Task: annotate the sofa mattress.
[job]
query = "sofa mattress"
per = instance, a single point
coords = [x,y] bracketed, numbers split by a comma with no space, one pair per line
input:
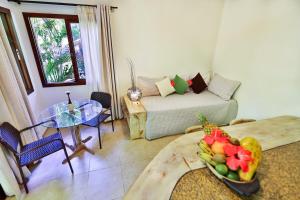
[173,114]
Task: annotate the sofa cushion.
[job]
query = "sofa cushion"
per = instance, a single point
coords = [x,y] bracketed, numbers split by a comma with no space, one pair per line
[188,76]
[173,114]
[164,86]
[198,84]
[223,87]
[147,85]
[180,85]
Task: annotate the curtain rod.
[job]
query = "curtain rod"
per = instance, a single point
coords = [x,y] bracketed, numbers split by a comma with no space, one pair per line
[57,3]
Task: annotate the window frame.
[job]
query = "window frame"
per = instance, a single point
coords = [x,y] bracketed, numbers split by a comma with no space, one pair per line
[69,19]
[17,51]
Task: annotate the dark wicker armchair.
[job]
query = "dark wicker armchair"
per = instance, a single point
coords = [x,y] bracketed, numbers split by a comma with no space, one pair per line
[26,154]
[105,100]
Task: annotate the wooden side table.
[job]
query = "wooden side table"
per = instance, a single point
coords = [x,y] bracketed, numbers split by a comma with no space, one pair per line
[135,114]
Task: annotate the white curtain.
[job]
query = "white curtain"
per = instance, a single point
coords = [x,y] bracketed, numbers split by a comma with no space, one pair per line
[108,69]
[14,98]
[98,52]
[13,89]
[7,179]
[90,46]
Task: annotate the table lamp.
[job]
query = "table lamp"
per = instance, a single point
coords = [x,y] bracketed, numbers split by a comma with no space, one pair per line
[133,93]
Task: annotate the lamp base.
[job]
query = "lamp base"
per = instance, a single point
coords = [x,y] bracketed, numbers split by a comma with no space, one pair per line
[134,94]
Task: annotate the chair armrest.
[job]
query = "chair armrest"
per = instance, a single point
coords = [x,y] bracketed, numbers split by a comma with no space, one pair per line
[33,126]
[39,146]
[105,110]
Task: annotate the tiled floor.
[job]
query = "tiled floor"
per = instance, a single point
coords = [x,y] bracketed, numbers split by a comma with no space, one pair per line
[106,175]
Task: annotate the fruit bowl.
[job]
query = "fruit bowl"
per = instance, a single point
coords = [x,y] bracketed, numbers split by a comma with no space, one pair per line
[245,188]
[233,161]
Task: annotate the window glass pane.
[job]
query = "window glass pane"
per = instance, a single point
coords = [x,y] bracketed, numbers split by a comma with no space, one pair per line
[78,49]
[53,46]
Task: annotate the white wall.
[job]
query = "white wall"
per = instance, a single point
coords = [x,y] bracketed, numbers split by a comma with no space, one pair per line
[256,42]
[162,38]
[259,45]
[165,37]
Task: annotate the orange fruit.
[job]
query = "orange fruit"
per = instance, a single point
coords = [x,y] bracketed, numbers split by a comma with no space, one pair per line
[218,147]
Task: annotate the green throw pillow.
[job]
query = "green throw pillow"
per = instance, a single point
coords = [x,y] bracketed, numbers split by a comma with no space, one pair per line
[180,85]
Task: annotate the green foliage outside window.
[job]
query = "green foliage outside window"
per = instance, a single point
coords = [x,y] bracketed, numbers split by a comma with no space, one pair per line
[53,45]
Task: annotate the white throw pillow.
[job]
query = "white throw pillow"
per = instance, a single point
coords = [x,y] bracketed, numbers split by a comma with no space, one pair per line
[147,85]
[223,87]
[164,86]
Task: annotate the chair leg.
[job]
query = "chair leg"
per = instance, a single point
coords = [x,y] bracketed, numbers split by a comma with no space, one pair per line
[23,179]
[112,120]
[99,136]
[68,159]
[112,125]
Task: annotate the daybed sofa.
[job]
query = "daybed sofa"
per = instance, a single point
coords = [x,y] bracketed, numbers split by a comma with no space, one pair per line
[173,114]
[170,106]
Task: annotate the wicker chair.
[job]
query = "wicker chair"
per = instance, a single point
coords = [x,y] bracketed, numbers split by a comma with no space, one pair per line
[105,100]
[26,154]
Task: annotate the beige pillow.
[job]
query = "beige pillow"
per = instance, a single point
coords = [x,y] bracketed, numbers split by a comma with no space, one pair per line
[164,86]
[223,87]
[147,85]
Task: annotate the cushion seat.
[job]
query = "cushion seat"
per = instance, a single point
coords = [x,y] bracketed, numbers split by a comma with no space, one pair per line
[173,114]
[95,121]
[43,151]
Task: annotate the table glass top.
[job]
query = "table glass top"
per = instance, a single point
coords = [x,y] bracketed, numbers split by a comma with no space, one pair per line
[84,110]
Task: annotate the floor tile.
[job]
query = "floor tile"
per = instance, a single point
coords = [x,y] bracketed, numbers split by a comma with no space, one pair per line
[103,160]
[131,171]
[106,183]
[107,175]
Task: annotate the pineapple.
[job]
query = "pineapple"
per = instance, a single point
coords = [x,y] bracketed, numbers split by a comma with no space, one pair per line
[208,127]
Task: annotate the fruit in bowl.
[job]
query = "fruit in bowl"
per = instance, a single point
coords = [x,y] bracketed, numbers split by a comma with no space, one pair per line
[227,157]
[218,147]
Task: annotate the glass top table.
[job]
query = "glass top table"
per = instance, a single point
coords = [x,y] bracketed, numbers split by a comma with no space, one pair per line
[84,110]
[59,116]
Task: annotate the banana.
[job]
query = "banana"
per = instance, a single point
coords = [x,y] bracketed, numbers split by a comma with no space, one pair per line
[207,158]
[213,163]
[203,143]
[205,148]
[206,154]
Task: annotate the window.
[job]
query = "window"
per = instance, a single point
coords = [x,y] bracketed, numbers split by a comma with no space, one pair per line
[57,48]
[9,28]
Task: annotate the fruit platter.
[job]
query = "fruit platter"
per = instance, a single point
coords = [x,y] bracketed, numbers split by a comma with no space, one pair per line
[231,160]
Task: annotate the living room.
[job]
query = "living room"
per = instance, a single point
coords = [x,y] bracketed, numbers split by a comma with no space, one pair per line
[246,53]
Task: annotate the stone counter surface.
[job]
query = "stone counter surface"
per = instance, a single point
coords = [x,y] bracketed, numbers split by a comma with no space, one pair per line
[179,157]
[279,176]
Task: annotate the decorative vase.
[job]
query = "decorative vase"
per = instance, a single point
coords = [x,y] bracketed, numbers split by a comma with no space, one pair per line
[133,93]
[70,104]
